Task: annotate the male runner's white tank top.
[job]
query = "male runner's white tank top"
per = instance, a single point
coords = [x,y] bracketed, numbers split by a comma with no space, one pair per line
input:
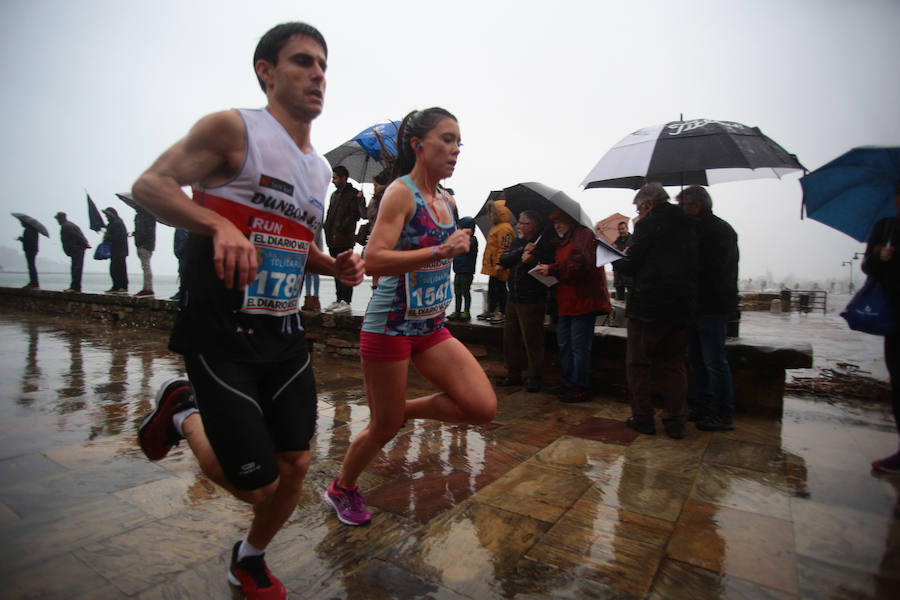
[277,200]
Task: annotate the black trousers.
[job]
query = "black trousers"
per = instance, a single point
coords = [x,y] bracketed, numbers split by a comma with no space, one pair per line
[344,292]
[118,272]
[77,267]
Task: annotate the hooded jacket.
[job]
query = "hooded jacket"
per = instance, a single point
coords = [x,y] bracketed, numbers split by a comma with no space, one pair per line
[499,239]
[116,235]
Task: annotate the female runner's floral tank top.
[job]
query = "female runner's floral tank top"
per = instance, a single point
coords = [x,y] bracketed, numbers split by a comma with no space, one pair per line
[414,303]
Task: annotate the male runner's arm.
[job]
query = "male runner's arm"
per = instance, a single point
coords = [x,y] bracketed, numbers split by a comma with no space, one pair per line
[210,153]
[347,267]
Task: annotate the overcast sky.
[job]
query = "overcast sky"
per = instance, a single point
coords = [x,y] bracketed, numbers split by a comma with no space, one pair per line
[94,90]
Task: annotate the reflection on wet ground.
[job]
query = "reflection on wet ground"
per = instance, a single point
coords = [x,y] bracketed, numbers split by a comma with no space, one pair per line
[548,501]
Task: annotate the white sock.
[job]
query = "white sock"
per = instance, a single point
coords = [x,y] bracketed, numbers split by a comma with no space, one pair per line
[247,549]
[179,417]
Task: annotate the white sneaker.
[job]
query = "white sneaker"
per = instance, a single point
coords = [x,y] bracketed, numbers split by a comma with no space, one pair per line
[342,307]
[331,307]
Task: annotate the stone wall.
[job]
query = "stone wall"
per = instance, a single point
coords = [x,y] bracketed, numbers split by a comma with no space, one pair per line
[758,368]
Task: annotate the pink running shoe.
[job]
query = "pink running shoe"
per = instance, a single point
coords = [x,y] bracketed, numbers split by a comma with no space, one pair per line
[349,505]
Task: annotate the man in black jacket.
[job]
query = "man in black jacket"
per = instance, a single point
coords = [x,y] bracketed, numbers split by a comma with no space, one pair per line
[117,237]
[74,244]
[526,304]
[345,208]
[29,239]
[712,402]
[660,308]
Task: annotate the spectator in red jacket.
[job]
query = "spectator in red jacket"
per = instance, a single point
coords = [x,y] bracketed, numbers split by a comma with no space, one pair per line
[581,295]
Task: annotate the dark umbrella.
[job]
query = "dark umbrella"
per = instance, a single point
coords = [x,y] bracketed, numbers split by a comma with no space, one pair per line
[483,217]
[127,199]
[544,200]
[854,191]
[27,221]
[363,154]
[96,221]
[698,152]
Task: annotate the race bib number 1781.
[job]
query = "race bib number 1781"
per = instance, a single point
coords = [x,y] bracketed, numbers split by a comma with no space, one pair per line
[279,274]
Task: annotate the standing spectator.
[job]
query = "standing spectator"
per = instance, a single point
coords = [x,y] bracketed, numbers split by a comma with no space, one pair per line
[464,273]
[712,402]
[526,304]
[621,282]
[117,237]
[663,261]
[145,242]
[581,295]
[882,263]
[179,248]
[344,209]
[29,239]
[74,244]
[498,241]
[311,283]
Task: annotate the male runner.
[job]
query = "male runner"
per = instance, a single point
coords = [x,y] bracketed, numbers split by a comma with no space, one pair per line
[258,199]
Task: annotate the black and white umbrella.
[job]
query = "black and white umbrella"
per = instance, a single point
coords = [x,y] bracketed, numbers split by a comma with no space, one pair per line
[698,152]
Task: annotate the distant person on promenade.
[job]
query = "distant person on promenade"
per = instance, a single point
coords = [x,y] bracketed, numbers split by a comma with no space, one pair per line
[663,261]
[145,243]
[712,402]
[117,237]
[526,303]
[581,295]
[179,248]
[29,239]
[344,209]
[414,239]
[74,244]
[499,238]
[621,282]
[311,282]
[239,327]
[882,263]
[464,274]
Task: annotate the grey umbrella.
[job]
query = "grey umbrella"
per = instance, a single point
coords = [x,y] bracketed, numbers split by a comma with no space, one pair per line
[32,222]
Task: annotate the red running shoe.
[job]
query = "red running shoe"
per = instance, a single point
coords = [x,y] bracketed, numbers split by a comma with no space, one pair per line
[157,435]
[254,578]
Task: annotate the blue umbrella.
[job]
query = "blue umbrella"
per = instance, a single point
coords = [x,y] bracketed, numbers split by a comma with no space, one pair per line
[855,190]
[363,154]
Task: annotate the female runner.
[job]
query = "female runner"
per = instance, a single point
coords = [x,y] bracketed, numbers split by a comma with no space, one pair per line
[411,248]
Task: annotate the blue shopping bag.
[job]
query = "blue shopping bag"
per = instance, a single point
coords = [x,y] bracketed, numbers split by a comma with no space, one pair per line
[870,311]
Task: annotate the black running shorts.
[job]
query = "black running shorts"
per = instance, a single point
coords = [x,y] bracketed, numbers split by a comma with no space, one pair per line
[251,411]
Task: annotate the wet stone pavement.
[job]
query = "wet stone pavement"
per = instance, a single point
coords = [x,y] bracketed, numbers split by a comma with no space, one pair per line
[548,501]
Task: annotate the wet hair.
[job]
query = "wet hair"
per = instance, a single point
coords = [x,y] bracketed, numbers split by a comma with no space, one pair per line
[271,43]
[341,171]
[416,124]
[625,223]
[651,191]
[695,193]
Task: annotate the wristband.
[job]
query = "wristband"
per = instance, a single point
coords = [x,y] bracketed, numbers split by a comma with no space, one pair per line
[436,252]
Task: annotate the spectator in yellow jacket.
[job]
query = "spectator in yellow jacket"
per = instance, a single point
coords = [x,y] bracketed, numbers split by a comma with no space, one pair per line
[499,238]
